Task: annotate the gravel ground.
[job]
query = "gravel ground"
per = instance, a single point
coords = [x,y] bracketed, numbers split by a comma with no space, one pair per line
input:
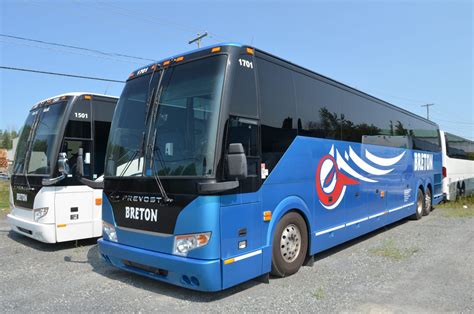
[410,266]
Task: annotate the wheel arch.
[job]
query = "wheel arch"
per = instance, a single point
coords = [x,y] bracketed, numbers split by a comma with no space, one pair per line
[289,204]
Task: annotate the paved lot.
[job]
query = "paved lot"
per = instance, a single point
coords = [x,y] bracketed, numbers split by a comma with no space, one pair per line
[412,266]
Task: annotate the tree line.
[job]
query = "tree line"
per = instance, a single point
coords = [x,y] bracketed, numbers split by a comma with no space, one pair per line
[6,138]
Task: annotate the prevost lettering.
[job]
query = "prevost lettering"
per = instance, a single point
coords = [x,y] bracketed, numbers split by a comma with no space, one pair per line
[140,198]
[423,162]
[141,213]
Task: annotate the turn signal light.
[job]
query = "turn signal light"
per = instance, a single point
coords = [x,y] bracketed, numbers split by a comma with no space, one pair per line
[98,201]
[267,215]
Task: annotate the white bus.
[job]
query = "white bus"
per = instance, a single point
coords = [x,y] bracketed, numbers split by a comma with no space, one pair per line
[458,166]
[48,203]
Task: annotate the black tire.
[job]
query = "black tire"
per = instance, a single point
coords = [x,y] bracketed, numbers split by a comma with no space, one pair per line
[428,205]
[290,245]
[420,201]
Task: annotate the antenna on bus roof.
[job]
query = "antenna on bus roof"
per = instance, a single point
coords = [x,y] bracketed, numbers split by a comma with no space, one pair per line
[198,39]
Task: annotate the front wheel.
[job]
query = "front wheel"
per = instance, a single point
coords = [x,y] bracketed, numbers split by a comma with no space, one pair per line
[290,244]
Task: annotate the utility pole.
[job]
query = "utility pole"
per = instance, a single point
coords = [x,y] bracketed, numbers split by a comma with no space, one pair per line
[427,110]
[198,39]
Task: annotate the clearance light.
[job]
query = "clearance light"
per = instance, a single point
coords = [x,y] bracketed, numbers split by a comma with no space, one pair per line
[179,59]
[131,75]
[109,231]
[98,201]
[63,97]
[267,215]
[216,49]
[87,97]
[250,51]
[187,242]
[166,62]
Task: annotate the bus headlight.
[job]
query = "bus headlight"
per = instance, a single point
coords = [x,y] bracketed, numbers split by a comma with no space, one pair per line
[187,242]
[39,213]
[109,231]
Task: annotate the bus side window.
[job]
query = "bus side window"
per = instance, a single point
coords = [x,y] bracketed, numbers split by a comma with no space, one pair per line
[278,110]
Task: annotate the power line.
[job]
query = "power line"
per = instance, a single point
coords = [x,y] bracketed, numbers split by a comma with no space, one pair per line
[76,47]
[69,51]
[61,74]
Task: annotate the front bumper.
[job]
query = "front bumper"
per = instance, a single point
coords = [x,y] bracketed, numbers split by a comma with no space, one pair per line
[191,273]
[39,231]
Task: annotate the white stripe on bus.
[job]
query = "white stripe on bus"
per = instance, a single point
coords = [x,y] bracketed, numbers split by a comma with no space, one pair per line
[362,220]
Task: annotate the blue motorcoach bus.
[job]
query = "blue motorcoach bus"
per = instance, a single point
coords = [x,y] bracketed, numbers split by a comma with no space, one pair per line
[228,163]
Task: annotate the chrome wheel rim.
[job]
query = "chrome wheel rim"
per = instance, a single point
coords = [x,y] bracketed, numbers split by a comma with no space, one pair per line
[290,243]
[428,201]
[419,204]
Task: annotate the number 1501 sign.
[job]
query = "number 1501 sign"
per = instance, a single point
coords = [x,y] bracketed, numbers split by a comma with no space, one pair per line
[81,115]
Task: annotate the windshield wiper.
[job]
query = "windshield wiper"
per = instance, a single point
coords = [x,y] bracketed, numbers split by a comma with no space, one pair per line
[138,152]
[151,145]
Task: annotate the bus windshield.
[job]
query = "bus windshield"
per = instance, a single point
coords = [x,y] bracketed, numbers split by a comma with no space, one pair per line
[182,130]
[34,154]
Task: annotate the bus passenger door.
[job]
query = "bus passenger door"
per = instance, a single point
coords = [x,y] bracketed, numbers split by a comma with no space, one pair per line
[74,202]
[241,216]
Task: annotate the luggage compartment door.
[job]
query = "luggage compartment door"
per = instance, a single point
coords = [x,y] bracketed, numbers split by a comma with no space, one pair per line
[74,209]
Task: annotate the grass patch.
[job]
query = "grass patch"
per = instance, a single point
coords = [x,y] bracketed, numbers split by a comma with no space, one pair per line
[4,194]
[390,250]
[319,294]
[460,208]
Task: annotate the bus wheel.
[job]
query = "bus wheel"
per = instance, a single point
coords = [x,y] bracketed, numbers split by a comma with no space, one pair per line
[420,204]
[290,244]
[428,204]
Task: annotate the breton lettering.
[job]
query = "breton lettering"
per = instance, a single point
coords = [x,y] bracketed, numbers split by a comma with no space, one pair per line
[422,162]
[141,213]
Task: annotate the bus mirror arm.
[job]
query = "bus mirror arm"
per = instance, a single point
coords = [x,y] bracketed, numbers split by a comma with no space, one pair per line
[80,172]
[63,168]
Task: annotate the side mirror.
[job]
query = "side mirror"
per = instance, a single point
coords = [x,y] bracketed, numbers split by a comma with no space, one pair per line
[63,168]
[80,163]
[97,184]
[237,161]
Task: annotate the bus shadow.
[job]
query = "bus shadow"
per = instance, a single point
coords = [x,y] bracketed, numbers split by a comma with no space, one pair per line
[345,245]
[101,267]
[49,247]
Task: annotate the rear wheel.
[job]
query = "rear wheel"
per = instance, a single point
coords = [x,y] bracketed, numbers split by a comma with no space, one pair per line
[420,204]
[428,203]
[290,244]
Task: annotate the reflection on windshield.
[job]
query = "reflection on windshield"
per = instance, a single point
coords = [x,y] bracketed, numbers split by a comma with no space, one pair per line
[182,136]
[128,128]
[37,140]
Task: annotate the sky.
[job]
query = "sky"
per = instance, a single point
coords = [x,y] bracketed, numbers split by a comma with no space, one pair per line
[409,53]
